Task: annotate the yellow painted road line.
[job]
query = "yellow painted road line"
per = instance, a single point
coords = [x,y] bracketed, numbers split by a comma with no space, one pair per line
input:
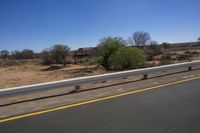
[95,100]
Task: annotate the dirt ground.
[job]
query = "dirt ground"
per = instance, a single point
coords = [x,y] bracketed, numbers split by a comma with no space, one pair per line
[32,73]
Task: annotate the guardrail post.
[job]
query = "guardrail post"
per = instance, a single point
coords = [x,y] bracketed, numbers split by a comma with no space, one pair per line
[145,76]
[189,68]
[76,89]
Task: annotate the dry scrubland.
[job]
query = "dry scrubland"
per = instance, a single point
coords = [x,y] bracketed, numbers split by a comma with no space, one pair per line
[31,72]
[18,73]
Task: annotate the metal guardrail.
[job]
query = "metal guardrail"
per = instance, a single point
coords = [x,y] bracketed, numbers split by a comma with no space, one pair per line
[91,79]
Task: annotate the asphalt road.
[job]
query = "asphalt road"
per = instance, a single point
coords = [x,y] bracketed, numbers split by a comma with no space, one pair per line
[171,109]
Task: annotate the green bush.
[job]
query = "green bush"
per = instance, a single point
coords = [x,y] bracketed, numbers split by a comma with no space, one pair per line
[92,61]
[114,54]
[107,49]
[128,58]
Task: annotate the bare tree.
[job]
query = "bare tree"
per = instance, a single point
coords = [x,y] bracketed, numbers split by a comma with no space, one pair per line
[16,54]
[59,53]
[153,42]
[4,54]
[139,38]
[56,54]
[27,54]
[46,56]
[24,54]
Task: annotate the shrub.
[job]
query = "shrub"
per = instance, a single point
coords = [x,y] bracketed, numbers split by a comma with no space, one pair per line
[27,54]
[183,56]
[166,59]
[24,54]
[46,57]
[56,54]
[152,50]
[165,45]
[107,49]
[127,58]
[114,54]
[92,61]
[4,54]
[59,53]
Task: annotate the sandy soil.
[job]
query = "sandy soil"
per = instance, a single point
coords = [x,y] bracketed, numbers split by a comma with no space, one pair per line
[31,73]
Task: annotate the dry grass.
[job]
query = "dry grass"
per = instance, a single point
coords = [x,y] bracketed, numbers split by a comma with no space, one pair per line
[32,73]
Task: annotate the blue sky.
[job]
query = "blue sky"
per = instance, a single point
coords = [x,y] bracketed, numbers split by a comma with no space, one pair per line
[39,24]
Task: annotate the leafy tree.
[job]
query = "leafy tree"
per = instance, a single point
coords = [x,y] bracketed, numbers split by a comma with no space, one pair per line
[139,38]
[107,50]
[4,54]
[127,58]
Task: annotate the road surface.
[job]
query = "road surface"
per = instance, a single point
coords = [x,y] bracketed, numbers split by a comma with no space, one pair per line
[169,109]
